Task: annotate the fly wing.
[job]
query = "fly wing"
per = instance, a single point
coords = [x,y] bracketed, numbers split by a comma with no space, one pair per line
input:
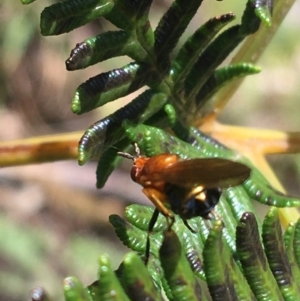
[209,172]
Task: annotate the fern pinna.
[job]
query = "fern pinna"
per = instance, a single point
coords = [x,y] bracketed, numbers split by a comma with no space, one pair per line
[229,253]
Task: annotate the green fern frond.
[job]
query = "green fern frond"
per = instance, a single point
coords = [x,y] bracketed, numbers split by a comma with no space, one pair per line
[178,81]
[228,254]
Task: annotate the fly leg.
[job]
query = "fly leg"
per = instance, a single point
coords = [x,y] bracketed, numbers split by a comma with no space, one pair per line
[188,226]
[157,198]
[150,228]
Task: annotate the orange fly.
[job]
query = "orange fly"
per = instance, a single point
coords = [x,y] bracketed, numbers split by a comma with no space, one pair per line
[189,188]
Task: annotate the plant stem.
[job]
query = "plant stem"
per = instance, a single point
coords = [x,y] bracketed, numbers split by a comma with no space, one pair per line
[39,149]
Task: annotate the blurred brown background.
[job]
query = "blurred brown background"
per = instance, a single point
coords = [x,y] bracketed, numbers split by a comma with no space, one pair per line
[53,221]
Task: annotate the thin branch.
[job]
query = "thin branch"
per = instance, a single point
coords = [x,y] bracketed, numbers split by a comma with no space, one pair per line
[262,141]
[39,149]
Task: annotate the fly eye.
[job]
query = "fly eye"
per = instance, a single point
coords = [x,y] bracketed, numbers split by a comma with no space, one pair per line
[133,173]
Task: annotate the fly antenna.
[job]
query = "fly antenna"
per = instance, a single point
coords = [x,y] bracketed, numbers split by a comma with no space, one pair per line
[126,155]
[122,154]
[131,157]
[137,150]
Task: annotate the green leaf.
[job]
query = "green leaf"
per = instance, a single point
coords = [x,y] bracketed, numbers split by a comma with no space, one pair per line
[108,288]
[75,291]
[137,281]
[105,46]
[250,22]
[224,277]
[108,131]
[222,77]
[171,27]
[27,1]
[109,86]
[181,280]
[109,160]
[253,259]
[195,44]
[296,242]
[239,202]
[67,15]
[263,10]
[210,59]
[278,260]
[133,237]
[262,192]
[139,217]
